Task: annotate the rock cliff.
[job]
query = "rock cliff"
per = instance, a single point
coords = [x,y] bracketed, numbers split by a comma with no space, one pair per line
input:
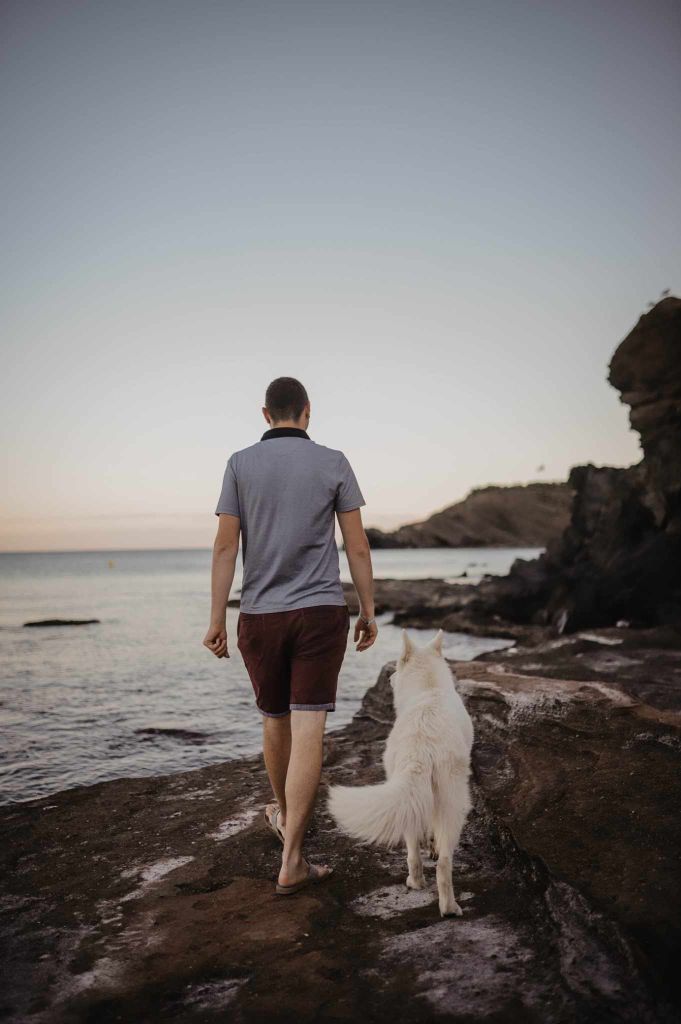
[620,556]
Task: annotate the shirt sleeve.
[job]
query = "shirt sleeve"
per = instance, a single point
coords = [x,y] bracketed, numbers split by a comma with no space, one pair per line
[348,494]
[229,495]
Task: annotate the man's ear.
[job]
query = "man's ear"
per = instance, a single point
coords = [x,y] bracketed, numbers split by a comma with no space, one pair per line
[436,643]
[407,646]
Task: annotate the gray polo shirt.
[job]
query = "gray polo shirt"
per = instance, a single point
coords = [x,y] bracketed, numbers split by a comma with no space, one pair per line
[286,489]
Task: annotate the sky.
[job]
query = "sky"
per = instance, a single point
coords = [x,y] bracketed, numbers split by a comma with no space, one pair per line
[442,217]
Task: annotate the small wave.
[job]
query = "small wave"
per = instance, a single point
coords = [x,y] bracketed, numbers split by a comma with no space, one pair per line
[187,735]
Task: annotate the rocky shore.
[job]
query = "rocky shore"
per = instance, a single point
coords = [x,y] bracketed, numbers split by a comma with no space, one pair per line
[152,899]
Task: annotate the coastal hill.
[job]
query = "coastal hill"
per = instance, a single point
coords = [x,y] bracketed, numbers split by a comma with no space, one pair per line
[523,516]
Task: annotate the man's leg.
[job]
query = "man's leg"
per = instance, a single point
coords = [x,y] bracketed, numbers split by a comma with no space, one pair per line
[302,782]
[276,745]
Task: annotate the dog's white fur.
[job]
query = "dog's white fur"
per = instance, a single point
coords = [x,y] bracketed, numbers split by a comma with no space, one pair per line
[427,765]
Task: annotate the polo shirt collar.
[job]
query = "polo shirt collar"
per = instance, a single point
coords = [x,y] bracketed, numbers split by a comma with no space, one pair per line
[284,432]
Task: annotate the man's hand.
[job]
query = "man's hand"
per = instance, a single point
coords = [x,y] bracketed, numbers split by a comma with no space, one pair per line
[216,641]
[366,634]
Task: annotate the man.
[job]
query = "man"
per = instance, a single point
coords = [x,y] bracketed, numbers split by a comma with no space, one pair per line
[282,494]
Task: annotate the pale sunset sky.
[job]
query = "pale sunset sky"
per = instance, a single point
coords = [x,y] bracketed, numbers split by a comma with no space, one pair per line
[441,216]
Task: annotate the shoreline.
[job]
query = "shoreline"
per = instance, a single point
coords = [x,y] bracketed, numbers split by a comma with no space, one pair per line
[635,658]
[166,745]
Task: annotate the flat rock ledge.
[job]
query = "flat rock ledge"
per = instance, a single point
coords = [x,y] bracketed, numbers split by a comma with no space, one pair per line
[152,899]
[62,622]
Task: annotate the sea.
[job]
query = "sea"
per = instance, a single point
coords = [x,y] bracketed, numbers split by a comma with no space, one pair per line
[137,693]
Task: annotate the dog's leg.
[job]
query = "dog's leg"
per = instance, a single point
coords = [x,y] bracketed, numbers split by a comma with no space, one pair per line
[415,879]
[450,816]
[445,888]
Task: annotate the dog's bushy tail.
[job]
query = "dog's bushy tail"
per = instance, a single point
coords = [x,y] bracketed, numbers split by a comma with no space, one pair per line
[384,814]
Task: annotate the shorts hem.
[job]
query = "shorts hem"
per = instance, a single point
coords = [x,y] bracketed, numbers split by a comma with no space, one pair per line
[273,714]
[313,707]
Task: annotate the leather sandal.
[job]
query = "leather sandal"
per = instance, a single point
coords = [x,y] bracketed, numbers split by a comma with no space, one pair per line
[273,823]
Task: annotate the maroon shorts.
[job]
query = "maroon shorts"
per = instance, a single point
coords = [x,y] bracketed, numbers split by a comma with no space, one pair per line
[293,658]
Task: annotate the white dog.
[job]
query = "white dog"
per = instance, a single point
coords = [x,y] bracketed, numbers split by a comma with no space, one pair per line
[427,766]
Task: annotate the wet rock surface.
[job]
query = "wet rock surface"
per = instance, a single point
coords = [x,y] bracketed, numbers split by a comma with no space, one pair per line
[153,899]
[643,663]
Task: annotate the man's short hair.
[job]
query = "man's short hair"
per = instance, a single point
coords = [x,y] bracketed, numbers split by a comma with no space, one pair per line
[285,399]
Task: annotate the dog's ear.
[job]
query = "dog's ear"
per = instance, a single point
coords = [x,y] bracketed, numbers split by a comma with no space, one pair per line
[407,646]
[436,643]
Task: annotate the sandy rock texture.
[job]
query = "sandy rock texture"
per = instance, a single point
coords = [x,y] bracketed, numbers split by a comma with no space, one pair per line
[152,899]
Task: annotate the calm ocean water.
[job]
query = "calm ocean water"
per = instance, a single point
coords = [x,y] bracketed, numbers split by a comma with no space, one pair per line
[138,694]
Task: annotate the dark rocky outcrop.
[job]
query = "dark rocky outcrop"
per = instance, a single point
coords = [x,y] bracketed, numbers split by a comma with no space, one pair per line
[646,370]
[620,556]
[61,622]
[152,899]
[511,517]
[619,559]
[400,595]
[431,602]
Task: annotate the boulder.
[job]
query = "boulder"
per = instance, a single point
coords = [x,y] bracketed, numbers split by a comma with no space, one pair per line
[646,370]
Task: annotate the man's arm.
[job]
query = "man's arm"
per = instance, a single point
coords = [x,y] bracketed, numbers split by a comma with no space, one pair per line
[359,559]
[225,551]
